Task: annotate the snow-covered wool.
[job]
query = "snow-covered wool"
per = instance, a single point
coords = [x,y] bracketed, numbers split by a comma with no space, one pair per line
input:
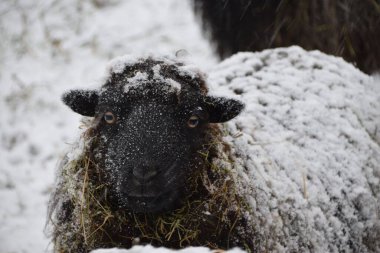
[143,170]
[344,28]
[308,154]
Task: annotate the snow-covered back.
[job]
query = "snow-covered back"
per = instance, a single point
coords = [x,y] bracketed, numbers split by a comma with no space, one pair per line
[306,149]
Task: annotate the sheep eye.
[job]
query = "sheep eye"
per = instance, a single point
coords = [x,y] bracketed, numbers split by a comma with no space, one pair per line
[193,121]
[109,117]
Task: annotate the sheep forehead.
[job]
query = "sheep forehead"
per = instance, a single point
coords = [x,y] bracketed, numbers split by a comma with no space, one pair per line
[119,64]
[134,72]
[151,79]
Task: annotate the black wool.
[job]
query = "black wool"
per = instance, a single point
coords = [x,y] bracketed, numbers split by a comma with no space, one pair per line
[349,29]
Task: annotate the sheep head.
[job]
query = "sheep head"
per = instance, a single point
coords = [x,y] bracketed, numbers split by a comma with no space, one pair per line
[151,117]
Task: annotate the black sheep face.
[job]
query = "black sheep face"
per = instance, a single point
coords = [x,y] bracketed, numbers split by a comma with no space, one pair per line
[150,134]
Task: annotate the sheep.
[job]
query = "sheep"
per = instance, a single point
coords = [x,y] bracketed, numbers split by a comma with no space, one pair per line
[297,170]
[143,171]
[344,28]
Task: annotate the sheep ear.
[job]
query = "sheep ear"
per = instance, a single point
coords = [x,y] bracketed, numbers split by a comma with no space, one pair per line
[222,109]
[83,102]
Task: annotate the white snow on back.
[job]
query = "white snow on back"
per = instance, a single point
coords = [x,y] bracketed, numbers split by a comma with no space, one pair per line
[306,148]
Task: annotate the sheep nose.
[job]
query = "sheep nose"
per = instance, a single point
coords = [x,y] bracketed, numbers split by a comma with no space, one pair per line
[144,174]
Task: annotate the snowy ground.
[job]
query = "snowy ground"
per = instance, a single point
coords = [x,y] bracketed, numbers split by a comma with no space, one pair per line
[149,249]
[47,47]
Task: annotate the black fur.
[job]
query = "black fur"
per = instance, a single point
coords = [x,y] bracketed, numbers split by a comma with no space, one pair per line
[81,101]
[346,28]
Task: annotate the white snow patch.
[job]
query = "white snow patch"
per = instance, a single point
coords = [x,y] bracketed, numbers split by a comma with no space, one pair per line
[139,77]
[133,82]
[150,249]
[156,72]
[174,85]
[118,64]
